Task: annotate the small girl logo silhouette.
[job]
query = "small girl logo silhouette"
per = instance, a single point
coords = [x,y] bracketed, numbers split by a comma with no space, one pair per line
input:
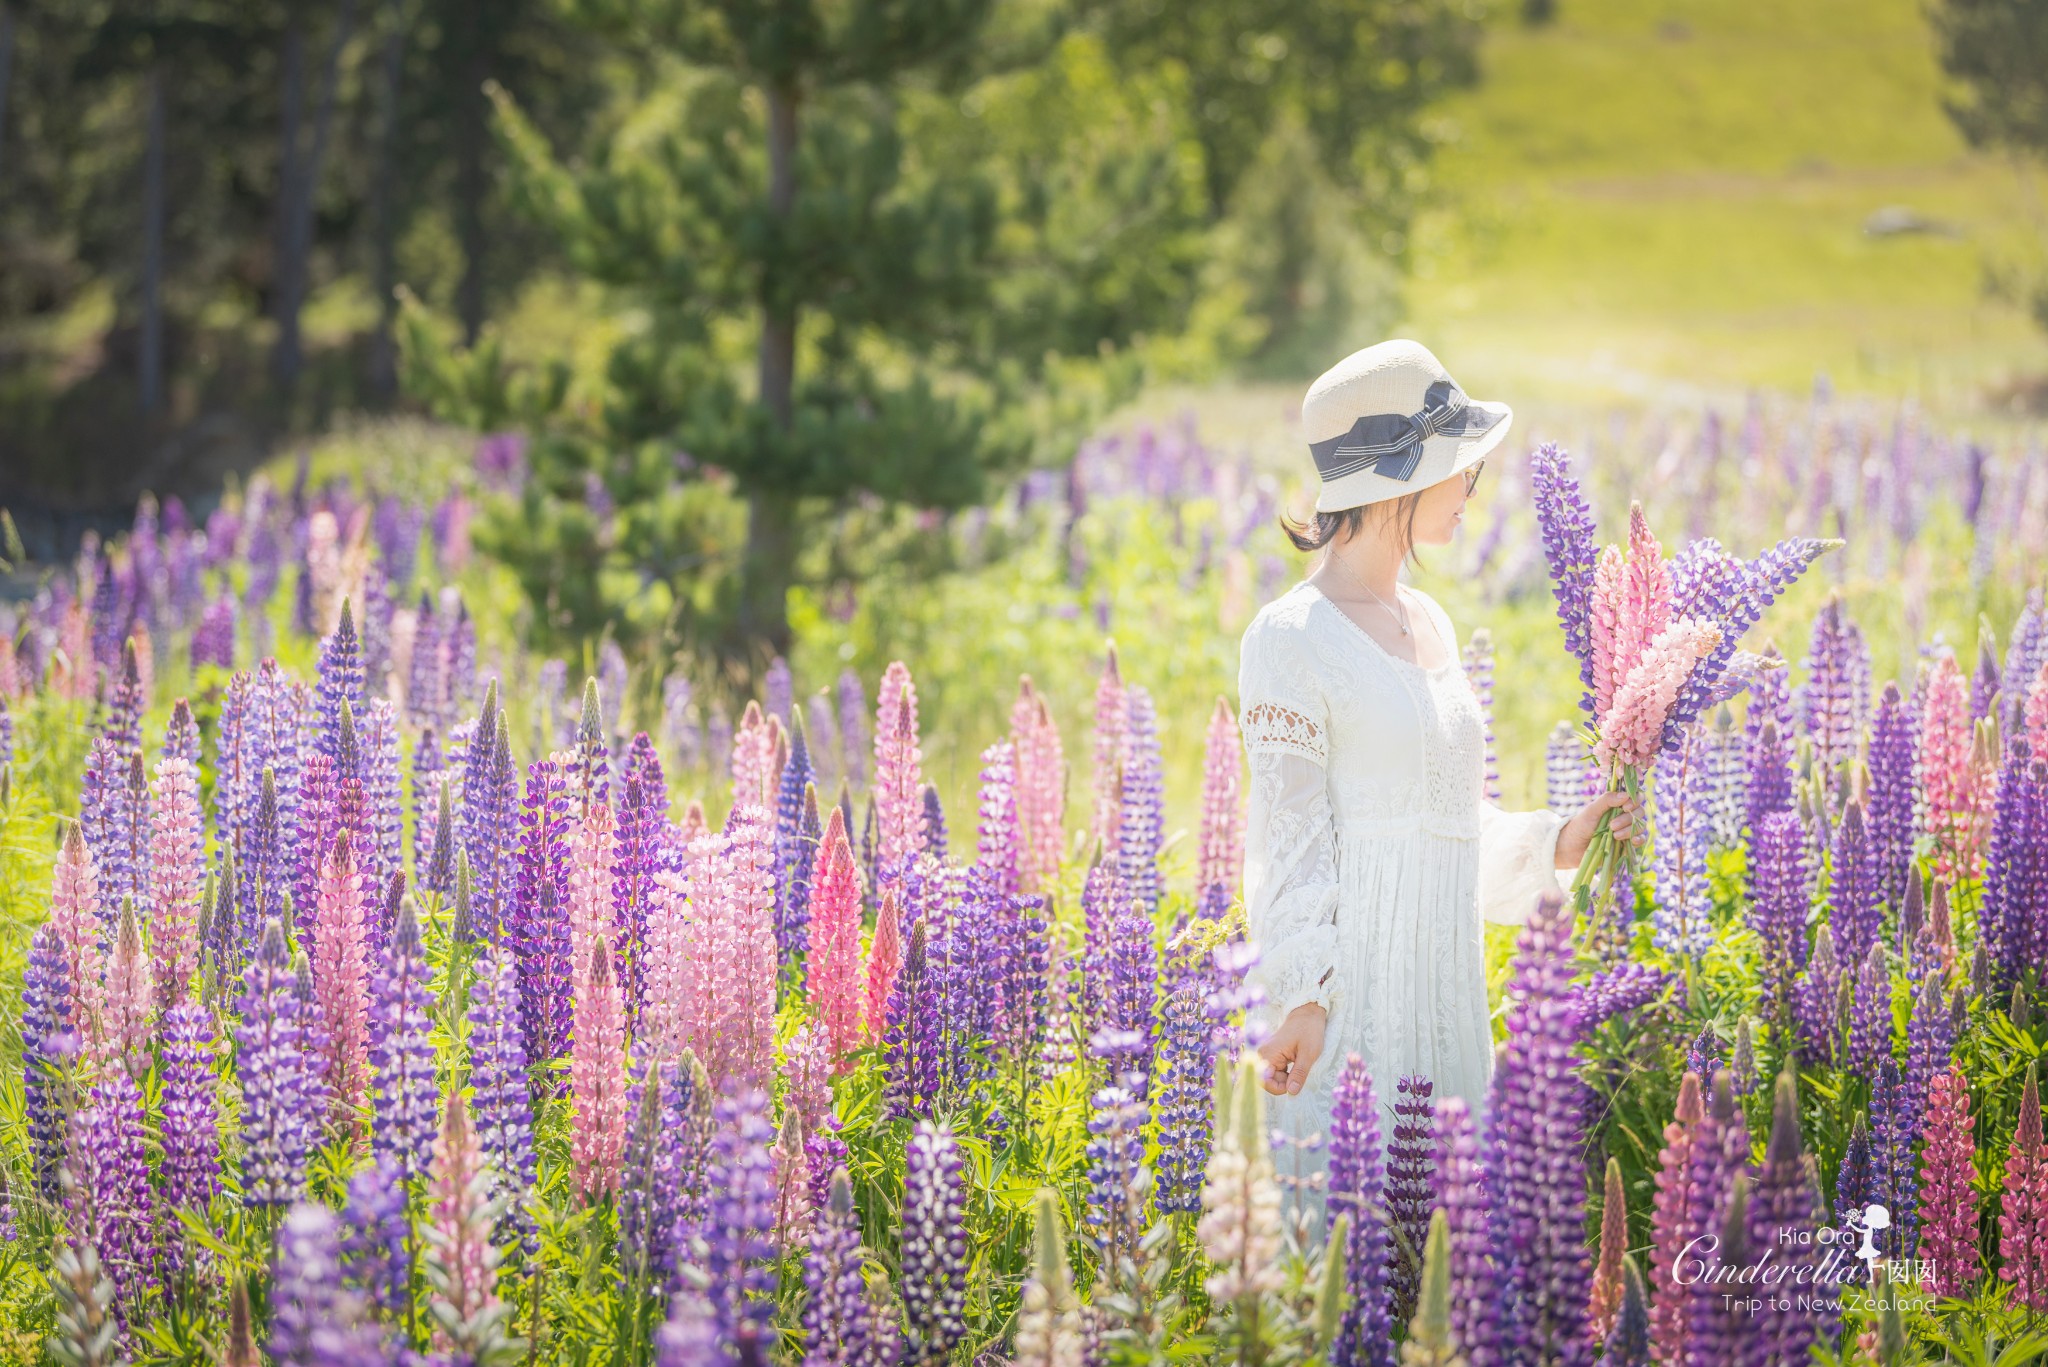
[1869,1222]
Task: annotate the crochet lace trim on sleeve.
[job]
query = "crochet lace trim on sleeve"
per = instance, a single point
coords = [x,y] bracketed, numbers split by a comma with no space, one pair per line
[1270,726]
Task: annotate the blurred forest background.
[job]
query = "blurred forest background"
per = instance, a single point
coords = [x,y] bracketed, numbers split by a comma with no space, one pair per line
[722,274]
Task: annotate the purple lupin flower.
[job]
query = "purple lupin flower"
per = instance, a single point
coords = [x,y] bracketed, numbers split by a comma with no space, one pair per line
[1479,669]
[1892,1173]
[679,730]
[663,1194]
[428,765]
[1890,803]
[1831,706]
[797,835]
[497,1068]
[213,641]
[740,1227]
[1564,765]
[315,1320]
[539,928]
[1622,990]
[1725,766]
[1357,1187]
[341,681]
[2010,917]
[1767,777]
[107,811]
[636,858]
[376,1250]
[1566,524]
[2025,653]
[998,840]
[275,1063]
[777,690]
[844,1324]
[1141,829]
[1763,581]
[381,802]
[1181,1096]
[113,1187]
[1870,1016]
[933,825]
[406,1115]
[1410,1195]
[489,816]
[1535,1173]
[1782,1200]
[1853,907]
[376,632]
[1133,999]
[1025,1007]
[190,1172]
[1777,904]
[1462,1196]
[934,1244]
[1718,1155]
[1116,1151]
[1855,1180]
[1930,1044]
[911,1036]
[1985,680]
[1682,808]
[46,1046]
[591,778]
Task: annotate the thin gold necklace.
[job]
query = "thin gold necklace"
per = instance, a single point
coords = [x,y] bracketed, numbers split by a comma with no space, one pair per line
[1400,618]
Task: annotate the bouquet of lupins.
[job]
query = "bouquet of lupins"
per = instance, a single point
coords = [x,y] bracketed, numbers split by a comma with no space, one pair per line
[1656,638]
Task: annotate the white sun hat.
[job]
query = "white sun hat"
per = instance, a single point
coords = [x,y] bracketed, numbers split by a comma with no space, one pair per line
[1388,421]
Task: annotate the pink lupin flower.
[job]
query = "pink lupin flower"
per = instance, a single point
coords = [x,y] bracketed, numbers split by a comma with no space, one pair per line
[341,975]
[664,1016]
[177,849]
[834,960]
[2036,715]
[1041,787]
[885,958]
[597,1076]
[124,1037]
[753,756]
[1948,1239]
[806,1110]
[1110,710]
[1604,615]
[732,944]
[1633,729]
[461,1256]
[899,784]
[1223,803]
[1646,592]
[1949,778]
[2023,1210]
[693,826]
[75,912]
[592,917]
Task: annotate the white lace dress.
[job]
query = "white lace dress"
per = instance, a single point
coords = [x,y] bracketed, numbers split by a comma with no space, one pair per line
[1371,854]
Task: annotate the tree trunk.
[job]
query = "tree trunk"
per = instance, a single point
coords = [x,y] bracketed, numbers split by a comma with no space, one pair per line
[383,377]
[771,514]
[294,262]
[6,71]
[472,68]
[149,365]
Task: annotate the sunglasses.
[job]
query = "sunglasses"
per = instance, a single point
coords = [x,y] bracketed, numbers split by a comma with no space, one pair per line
[1472,477]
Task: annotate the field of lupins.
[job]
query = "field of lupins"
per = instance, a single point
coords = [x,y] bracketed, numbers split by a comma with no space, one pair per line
[382,1006]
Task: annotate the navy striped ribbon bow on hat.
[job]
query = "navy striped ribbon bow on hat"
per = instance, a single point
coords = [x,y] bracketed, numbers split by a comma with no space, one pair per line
[1391,443]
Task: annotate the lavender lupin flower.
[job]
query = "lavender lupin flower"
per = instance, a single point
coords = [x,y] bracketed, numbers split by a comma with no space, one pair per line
[1683,802]
[1725,765]
[844,1325]
[1831,705]
[739,1229]
[998,840]
[934,1249]
[1767,780]
[1870,1017]
[1777,904]
[1853,907]
[1891,1159]
[1566,523]
[375,1249]
[1410,1195]
[190,1172]
[1462,1196]
[489,816]
[1181,1096]
[274,1063]
[1356,1188]
[1564,762]
[1782,1200]
[934,825]
[1134,981]
[315,1321]
[539,929]
[46,1046]
[113,1175]
[2010,920]
[341,681]
[636,859]
[797,835]
[1535,1173]
[402,1052]
[1116,1151]
[1815,1002]
[1890,803]
[911,1036]
[497,1068]
[1142,826]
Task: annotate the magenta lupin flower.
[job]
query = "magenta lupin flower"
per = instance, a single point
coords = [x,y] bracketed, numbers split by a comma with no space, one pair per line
[899,784]
[885,961]
[834,981]
[1041,786]
[2023,1210]
[1670,1223]
[177,854]
[1223,802]
[1948,1196]
[597,1076]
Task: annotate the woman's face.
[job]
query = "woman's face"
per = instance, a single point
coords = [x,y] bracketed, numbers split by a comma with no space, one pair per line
[1441,510]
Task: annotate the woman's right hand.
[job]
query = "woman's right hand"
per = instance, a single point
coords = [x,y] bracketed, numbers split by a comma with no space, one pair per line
[1293,1050]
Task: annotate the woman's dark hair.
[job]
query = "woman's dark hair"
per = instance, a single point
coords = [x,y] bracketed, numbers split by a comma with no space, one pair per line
[1342,526]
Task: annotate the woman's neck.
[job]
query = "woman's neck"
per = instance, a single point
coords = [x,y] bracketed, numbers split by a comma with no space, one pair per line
[1369,560]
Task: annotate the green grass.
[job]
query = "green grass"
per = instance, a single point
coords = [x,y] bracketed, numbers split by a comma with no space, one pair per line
[1666,201]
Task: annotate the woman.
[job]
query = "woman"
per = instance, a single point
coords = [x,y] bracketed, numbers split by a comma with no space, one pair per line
[1371,854]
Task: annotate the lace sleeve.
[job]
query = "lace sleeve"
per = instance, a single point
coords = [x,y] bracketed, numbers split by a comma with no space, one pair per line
[1290,857]
[1517,861]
